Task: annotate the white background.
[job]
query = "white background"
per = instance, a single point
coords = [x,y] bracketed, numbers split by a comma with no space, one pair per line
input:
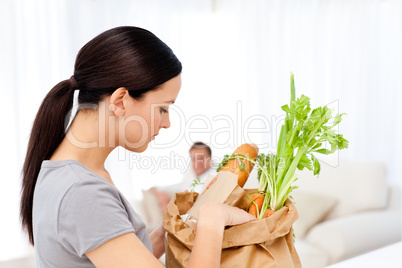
[237,56]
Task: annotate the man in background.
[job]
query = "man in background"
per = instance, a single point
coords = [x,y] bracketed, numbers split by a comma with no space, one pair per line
[193,179]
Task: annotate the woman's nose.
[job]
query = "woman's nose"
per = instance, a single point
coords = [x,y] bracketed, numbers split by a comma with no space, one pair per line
[165,122]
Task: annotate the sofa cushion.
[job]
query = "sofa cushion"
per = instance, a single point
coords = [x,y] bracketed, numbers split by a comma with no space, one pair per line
[312,208]
[358,186]
[350,236]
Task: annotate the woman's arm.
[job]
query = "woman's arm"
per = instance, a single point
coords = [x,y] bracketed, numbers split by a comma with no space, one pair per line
[208,240]
[123,251]
[128,251]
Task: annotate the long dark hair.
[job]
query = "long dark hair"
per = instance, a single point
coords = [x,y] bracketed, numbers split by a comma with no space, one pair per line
[128,57]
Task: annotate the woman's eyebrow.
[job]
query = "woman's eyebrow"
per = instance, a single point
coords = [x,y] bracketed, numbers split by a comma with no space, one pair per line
[172,101]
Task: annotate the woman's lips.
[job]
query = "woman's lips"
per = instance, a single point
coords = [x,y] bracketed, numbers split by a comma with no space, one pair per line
[153,137]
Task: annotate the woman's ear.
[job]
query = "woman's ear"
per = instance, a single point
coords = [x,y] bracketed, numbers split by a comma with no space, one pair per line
[116,103]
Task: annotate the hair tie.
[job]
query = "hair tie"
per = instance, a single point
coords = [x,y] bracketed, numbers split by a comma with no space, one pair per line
[73,82]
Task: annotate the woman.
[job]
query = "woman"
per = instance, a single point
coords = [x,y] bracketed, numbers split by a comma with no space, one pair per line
[73,213]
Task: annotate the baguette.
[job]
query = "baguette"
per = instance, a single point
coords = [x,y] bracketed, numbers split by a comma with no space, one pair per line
[233,165]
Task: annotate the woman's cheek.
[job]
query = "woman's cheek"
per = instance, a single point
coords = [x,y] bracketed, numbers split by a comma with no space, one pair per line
[134,131]
[157,123]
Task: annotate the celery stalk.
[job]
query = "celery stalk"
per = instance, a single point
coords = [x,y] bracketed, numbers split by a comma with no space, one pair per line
[304,130]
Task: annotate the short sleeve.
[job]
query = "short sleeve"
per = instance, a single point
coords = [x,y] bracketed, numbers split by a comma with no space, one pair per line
[91,213]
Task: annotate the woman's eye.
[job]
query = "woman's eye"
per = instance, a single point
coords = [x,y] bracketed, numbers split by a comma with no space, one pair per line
[163,110]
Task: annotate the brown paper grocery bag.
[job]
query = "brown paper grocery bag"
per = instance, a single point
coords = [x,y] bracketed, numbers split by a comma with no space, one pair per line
[262,243]
[225,191]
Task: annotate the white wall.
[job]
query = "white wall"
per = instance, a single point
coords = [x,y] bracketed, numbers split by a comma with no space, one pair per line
[237,56]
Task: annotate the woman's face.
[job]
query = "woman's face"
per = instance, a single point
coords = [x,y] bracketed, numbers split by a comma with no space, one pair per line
[144,118]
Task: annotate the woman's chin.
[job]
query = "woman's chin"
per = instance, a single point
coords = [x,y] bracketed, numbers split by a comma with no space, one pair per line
[137,148]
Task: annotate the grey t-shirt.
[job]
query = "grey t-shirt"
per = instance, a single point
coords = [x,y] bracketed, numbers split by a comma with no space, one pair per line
[74,211]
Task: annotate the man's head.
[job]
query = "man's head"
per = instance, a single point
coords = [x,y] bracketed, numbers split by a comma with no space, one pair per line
[200,154]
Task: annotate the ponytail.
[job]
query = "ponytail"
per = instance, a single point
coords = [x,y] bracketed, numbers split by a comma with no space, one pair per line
[46,135]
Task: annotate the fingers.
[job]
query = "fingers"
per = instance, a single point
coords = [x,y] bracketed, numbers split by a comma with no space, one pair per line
[226,214]
[238,216]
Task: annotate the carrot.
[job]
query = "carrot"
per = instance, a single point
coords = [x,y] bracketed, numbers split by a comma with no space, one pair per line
[268,213]
[258,200]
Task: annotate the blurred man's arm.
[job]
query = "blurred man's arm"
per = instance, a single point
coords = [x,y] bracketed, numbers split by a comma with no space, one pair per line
[163,199]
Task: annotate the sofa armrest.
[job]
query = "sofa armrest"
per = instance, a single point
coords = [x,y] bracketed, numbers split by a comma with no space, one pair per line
[349,236]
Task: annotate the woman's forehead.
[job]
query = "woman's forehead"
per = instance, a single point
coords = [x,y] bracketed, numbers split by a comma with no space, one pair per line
[167,93]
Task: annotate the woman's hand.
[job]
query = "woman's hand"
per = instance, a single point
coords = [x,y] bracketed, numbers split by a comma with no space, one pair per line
[235,216]
[228,215]
[212,218]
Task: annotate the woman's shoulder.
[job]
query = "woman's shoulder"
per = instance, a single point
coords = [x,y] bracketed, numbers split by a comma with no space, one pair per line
[79,190]
[73,179]
[72,169]
[69,172]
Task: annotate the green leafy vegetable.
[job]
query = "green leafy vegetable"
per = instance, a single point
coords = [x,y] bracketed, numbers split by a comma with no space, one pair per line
[228,157]
[304,133]
[225,159]
[196,182]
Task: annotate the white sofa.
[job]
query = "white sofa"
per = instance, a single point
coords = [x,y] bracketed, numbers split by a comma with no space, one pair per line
[364,212]
[349,210]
